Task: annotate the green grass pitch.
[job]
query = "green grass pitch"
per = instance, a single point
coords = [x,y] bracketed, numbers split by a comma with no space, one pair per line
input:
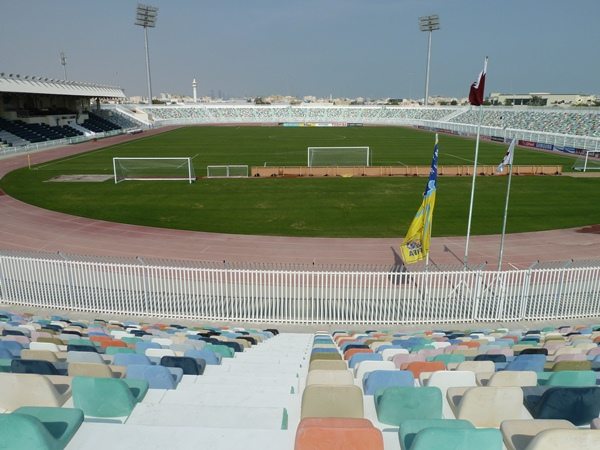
[317,207]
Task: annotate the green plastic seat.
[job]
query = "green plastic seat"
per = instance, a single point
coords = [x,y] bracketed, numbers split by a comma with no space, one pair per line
[107,397]
[82,341]
[131,340]
[225,351]
[42,428]
[411,427]
[397,403]
[5,365]
[457,439]
[115,350]
[571,378]
[448,358]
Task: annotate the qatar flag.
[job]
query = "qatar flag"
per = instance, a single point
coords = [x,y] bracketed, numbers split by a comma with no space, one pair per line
[478,88]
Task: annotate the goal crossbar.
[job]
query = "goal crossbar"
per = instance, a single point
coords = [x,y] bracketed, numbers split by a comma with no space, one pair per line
[156,169]
[339,156]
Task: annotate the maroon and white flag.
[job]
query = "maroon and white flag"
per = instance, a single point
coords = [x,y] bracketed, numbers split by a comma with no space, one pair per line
[476,93]
[508,158]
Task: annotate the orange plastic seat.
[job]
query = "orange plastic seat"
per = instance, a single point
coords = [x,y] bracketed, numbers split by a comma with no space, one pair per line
[354,351]
[113,343]
[338,433]
[100,338]
[417,367]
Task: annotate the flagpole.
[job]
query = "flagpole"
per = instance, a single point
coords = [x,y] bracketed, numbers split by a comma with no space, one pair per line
[474,176]
[506,209]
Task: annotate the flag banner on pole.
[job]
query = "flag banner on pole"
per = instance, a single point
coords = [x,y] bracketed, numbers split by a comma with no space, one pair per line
[476,94]
[416,244]
[508,158]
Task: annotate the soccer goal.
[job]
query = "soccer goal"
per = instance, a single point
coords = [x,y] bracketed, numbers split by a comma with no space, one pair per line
[338,156]
[236,171]
[590,161]
[153,169]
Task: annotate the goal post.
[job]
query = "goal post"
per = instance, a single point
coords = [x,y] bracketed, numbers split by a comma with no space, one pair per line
[589,161]
[153,169]
[339,156]
[233,171]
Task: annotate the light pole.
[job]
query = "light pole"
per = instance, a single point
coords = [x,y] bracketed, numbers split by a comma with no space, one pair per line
[63,61]
[429,23]
[146,17]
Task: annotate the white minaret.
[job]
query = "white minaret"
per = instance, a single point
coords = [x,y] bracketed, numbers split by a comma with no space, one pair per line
[194,86]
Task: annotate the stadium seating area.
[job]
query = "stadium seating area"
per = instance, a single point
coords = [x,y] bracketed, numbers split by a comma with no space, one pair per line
[573,123]
[550,121]
[253,114]
[74,383]
[17,132]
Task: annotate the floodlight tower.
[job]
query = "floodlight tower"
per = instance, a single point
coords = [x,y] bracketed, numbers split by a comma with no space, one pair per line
[194,89]
[429,23]
[146,17]
[63,61]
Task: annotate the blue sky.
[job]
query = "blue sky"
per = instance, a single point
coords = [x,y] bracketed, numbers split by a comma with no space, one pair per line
[343,48]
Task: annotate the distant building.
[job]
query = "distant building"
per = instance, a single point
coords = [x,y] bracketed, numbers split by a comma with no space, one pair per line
[546,99]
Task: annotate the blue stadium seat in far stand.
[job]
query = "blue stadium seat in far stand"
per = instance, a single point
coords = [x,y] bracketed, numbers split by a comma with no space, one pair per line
[359,357]
[39,428]
[127,359]
[141,347]
[158,377]
[190,366]
[387,378]
[13,347]
[209,356]
[6,354]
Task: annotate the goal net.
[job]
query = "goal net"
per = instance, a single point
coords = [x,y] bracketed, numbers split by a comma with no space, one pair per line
[238,171]
[153,169]
[590,160]
[338,156]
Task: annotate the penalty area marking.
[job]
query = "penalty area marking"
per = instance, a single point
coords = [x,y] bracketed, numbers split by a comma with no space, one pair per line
[282,137]
[87,178]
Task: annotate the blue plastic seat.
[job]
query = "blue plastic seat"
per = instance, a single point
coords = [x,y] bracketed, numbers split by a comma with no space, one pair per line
[387,378]
[210,357]
[190,366]
[358,357]
[141,347]
[158,377]
[12,346]
[127,359]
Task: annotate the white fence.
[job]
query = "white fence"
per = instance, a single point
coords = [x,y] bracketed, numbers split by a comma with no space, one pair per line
[297,294]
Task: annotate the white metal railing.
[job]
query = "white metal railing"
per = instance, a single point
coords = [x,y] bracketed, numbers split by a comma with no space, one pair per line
[560,140]
[303,295]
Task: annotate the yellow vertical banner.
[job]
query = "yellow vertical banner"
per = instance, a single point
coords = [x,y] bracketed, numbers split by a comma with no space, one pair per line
[416,244]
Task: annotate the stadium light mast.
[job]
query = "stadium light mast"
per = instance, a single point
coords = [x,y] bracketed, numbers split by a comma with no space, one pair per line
[63,61]
[429,23]
[146,16]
